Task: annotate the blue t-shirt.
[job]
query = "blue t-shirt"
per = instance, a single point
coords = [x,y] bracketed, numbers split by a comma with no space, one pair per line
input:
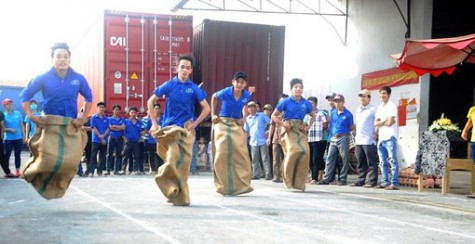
[293,109]
[132,131]
[256,127]
[101,124]
[113,121]
[230,107]
[60,95]
[13,120]
[340,123]
[180,100]
[32,124]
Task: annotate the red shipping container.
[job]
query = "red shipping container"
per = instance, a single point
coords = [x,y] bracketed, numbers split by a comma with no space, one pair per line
[222,48]
[124,56]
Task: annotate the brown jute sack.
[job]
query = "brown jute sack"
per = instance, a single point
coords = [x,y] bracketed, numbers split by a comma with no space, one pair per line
[175,146]
[296,156]
[232,166]
[57,149]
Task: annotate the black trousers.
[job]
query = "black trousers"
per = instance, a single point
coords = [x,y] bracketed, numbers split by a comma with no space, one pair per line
[367,157]
[3,160]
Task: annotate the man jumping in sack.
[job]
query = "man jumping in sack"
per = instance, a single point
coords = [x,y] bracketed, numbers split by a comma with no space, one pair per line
[59,140]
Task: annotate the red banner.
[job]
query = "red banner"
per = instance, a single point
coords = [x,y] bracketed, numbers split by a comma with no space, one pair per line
[390,77]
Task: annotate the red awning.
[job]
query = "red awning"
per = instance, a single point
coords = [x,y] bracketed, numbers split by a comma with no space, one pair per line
[436,56]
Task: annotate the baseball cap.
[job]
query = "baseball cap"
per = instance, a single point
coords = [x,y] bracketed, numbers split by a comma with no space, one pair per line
[251,103]
[331,96]
[365,92]
[339,97]
[101,103]
[6,101]
[240,74]
[268,106]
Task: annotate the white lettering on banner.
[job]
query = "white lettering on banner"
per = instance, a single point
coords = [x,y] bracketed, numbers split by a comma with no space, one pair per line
[117,41]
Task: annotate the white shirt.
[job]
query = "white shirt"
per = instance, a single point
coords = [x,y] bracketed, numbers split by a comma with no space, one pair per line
[384,112]
[365,116]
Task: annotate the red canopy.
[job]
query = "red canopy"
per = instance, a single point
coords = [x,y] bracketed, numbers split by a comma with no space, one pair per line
[435,56]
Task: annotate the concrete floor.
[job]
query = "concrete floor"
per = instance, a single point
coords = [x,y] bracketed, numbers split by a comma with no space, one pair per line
[131,209]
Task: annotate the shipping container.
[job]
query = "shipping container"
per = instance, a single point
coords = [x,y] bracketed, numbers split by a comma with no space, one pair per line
[222,48]
[124,56]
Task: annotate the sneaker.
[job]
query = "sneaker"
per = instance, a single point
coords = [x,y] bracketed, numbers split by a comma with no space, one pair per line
[323,183]
[356,184]
[391,187]
[107,173]
[277,180]
[342,183]
[255,178]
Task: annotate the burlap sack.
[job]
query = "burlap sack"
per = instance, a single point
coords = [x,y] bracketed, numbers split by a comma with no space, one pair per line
[175,146]
[296,156]
[57,149]
[232,169]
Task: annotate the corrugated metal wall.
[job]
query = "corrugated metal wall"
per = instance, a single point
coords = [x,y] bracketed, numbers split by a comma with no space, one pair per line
[222,48]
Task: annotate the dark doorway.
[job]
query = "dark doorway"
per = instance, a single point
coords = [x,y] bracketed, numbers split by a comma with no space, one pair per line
[452,94]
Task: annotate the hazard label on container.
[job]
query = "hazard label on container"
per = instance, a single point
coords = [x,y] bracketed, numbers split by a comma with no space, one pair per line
[134,76]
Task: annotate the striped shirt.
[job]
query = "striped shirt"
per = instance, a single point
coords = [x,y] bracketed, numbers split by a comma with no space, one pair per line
[315,133]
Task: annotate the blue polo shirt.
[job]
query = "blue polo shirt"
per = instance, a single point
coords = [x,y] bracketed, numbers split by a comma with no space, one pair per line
[101,124]
[230,107]
[60,95]
[151,139]
[293,109]
[180,100]
[13,120]
[132,131]
[256,127]
[116,121]
[340,123]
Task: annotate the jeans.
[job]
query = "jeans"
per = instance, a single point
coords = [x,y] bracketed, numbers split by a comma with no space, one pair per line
[367,159]
[101,149]
[132,153]
[115,145]
[338,147]
[472,146]
[387,151]
[13,145]
[258,153]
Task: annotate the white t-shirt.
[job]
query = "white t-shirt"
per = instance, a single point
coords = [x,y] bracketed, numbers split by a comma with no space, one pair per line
[384,112]
[365,116]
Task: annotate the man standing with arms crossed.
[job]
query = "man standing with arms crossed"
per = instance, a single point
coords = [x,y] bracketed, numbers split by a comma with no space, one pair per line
[385,123]
[181,94]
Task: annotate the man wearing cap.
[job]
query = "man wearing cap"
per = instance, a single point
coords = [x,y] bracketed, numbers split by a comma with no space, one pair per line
[332,105]
[232,166]
[255,127]
[100,136]
[365,141]
[341,123]
[14,133]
